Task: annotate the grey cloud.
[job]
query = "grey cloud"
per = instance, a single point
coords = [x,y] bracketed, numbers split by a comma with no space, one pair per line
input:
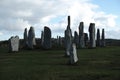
[113,34]
[15,15]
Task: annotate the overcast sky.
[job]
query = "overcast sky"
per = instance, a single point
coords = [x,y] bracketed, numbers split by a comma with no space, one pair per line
[15,15]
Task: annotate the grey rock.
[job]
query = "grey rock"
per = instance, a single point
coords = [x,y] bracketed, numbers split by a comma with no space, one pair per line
[76,38]
[92,42]
[14,44]
[25,38]
[81,35]
[59,41]
[31,38]
[68,41]
[103,38]
[42,38]
[98,38]
[47,44]
[86,39]
[68,38]
[73,54]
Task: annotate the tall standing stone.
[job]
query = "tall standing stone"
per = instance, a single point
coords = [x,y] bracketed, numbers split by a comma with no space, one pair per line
[42,38]
[86,39]
[73,54]
[14,44]
[68,38]
[31,38]
[98,38]
[103,38]
[47,44]
[92,42]
[76,38]
[81,35]
[34,41]
[25,38]
[60,41]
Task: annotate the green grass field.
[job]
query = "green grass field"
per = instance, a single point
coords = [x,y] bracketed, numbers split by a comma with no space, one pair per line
[93,64]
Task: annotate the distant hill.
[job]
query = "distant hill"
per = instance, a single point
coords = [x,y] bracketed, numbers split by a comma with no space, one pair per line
[109,42]
[112,42]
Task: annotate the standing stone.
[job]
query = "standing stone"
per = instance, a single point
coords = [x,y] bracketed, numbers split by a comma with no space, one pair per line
[68,41]
[86,39]
[92,43]
[42,38]
[73,54]
[34,41]
[60,41]
[47,38]
[68,38]
[14,44]
[103,38]
[25,38]
[81,35]
[76,38]
[31,38]
[98,38]
[57,41]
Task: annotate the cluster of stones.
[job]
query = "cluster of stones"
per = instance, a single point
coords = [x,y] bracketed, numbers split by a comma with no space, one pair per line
[46,38]
[70,45]
[59,41]
[30,42]
[70,42]
[29,38]
[100,42]
[83,41]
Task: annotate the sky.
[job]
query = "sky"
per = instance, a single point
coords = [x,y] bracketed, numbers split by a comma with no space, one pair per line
[16,15]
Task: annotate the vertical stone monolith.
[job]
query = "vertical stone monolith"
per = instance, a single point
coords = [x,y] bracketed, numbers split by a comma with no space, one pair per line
[76,39]
[68,38]
[98,38]
[31,38]
[86,39]
[25,38]
[81,35]
[73,54]
[47,44]
[103,38]
[14,44]
[92,42]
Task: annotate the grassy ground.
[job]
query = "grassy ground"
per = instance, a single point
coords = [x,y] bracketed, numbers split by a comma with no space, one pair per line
[94,64]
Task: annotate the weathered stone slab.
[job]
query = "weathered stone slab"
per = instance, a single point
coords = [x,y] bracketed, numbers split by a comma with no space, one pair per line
[14,44]
[103,38]
[68,38]
[47,44]
[86,39]
[98,38]
[92,42]
[81,35]
[25,38]
[73,54]
[42,38]
[31,38]
[76,38]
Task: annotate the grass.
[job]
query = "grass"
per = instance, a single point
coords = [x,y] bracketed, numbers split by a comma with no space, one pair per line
[93,64]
